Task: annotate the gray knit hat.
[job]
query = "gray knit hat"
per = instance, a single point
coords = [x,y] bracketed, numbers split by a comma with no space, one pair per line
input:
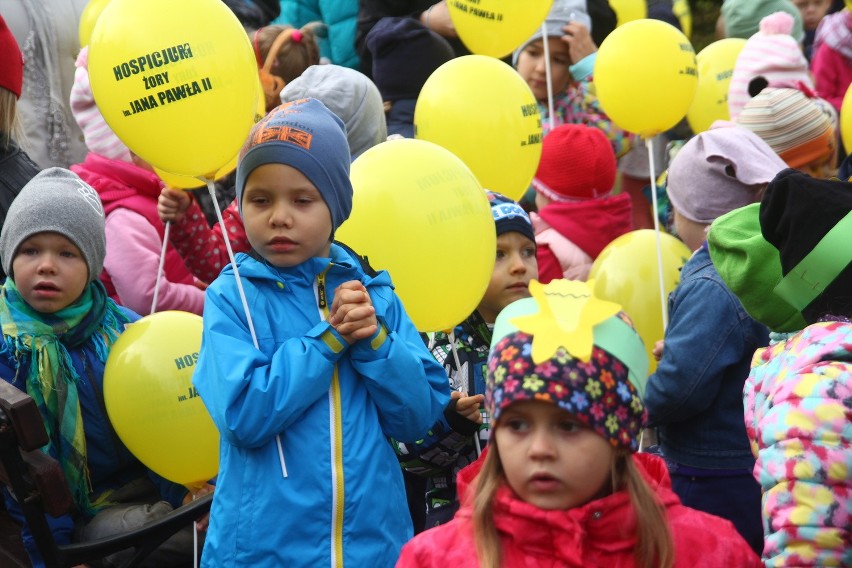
[562,13]
[351,95]
[57,201]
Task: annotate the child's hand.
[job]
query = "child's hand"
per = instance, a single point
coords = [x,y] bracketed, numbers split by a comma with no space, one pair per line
[658,349]
[468,406]
[579,40]
[437,18]
[172,204]
[202,523]
[352,313]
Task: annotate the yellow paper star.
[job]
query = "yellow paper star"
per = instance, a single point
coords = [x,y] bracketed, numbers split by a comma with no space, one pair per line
[568,313]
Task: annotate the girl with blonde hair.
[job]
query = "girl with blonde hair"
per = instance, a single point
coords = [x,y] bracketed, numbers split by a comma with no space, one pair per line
[560,483]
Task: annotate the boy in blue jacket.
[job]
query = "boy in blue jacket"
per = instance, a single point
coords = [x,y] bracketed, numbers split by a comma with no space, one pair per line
[58,328]
[307,394]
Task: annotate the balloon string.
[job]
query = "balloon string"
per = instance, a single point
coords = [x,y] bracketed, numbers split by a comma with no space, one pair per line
[650,143]
[160,267]
[212,190]
[194,542]
[546,46]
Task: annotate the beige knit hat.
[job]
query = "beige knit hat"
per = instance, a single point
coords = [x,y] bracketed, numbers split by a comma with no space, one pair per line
[800,129]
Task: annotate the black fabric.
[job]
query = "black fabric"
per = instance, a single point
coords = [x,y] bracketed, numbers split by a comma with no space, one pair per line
[796,212]
[371,11]
[16,169]
[603,19]
[404,54]
[254,15]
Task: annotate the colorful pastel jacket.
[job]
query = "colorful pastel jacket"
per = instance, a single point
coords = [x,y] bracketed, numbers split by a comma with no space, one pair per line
[798,412]
[600,533]
[307,475]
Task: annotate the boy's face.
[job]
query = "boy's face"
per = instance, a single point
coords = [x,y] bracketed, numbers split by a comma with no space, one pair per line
[286,218]
[49,272]
[812,11]
[550,459]
[531,67]
[514,268]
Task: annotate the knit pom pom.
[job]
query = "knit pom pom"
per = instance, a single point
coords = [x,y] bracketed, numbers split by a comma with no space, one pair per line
[777,23]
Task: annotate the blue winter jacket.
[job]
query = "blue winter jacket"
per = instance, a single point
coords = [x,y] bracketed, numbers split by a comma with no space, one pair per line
[111,465]
[695,395]
[307,475]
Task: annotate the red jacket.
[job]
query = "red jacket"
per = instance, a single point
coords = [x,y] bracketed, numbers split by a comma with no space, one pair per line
[601,533]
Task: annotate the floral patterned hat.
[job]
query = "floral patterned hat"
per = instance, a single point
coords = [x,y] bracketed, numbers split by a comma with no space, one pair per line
[567,347]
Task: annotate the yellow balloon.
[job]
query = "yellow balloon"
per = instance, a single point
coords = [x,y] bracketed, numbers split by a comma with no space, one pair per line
[626,272]
[176,81]
[88,19]
[715,68]
[628,10]
[176,181]
[683,12]
[846,120]
[646,91]
[482,111]
[419,213]
[496,27]
[151,402]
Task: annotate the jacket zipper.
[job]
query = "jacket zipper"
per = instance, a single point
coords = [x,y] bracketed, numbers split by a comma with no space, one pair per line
[336,443]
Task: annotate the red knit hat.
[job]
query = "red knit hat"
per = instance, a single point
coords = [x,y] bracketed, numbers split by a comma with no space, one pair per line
[11,61]
[577,162]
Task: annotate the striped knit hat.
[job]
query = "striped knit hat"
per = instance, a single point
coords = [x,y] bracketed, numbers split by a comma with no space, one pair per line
[770,58]
[799,129]
[100,138]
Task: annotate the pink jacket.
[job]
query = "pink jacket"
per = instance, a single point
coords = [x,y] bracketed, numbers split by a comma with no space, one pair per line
[601,533]
[134,239]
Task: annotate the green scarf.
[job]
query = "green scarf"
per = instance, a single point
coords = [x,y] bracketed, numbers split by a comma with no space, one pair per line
[44,340]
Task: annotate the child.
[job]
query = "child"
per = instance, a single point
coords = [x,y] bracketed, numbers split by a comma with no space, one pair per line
[771,57]
[347,93]
[577,215]
[404,54]
[560,484]
[797,395]
[457,439]
[307,476]
[799,128]
[16,167]
[572,60]
[128,189]
[812,12]
[283,53]
[693,397]
[832,57]
[58,327]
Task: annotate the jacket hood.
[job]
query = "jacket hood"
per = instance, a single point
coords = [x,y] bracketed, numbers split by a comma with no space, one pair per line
[591,224]
[817,343]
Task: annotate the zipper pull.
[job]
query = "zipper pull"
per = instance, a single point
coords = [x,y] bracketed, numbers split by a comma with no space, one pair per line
[321,290]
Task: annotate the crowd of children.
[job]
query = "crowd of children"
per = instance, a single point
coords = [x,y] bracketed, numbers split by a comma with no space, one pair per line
[514,438]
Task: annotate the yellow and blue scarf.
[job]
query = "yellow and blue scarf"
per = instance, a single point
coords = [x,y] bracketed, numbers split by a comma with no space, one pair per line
[43,342]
